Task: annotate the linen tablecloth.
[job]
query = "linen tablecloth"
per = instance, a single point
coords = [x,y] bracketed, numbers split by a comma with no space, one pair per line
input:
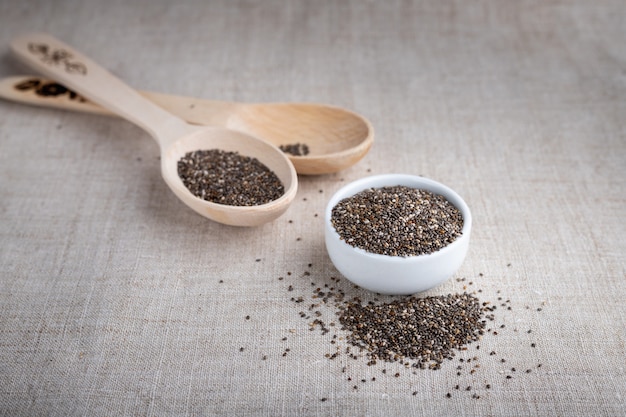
[116,299]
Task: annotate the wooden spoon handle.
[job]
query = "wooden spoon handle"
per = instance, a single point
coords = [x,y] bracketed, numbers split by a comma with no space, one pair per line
[43,92]
[63,63]
[40,91]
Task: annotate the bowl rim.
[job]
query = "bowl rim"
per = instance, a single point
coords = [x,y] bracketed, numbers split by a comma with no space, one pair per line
[362,184]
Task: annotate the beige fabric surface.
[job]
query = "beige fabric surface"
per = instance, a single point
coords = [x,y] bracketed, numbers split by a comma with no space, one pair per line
[116,300]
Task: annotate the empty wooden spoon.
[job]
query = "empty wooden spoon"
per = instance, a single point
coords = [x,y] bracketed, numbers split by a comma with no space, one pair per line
[335,138]
[174,136]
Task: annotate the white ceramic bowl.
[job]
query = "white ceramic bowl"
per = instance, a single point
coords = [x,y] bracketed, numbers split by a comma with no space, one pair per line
[394,274]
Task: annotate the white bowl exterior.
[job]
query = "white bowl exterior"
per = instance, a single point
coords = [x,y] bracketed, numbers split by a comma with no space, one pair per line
[394,274]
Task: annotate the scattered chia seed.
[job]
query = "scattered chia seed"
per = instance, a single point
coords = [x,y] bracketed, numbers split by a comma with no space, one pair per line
[229,178]
[409,332]
[397,221]
[295,149]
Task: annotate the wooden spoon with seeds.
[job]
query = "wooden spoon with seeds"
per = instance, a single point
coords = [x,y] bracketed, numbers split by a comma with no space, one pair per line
[174,136]
[336,138]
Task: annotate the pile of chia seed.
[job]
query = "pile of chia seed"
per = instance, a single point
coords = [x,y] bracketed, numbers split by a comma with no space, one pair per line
[229,178]
[408,334]
[426,330]
[397,221]
[295,149]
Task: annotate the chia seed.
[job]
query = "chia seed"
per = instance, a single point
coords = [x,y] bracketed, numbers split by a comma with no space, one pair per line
[424,329]
[229,178]
[295,149]
[397,221]
[408,332]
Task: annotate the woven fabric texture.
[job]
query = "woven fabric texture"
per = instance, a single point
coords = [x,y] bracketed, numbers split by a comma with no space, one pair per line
[117,300]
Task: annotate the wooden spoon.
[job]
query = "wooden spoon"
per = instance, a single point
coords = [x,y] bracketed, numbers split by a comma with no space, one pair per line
[174,136]
[336,138]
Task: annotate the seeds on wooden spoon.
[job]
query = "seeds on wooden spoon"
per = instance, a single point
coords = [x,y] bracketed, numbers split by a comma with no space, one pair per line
[229,178]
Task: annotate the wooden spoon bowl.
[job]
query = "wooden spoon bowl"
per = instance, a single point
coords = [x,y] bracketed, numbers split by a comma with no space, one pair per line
[336,138]
[231,141]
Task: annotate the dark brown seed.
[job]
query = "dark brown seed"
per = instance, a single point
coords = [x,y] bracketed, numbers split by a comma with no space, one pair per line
[413,328]
[295,149]
[397,221]
[228,178]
